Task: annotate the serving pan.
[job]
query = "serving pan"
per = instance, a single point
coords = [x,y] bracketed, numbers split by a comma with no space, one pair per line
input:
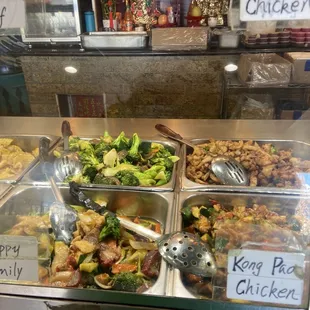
[175,285]
[299,148]
[36,177]
[4,188]
[27,143]
[23,200]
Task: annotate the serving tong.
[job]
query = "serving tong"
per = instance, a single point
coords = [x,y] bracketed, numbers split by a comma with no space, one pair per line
[62,217]
[68,164]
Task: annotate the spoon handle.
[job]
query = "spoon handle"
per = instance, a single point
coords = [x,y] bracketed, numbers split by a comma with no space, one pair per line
[169,133]
[140,230]
[47,168]
[66,133]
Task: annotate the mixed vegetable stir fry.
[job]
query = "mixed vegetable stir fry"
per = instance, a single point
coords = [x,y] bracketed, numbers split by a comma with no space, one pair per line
[233,227]
[101,255]
[122,161]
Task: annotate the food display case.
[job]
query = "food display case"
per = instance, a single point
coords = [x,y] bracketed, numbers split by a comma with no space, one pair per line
[257,224]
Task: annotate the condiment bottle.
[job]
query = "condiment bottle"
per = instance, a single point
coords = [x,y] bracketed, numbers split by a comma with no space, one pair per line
[128,18]
[170,15]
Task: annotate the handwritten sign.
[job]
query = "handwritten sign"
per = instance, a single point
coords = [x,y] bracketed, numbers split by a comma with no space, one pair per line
[12,14]
[18,258]
[258,10]
[273,277]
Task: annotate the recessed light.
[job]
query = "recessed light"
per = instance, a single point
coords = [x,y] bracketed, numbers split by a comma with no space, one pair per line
[231,68]
[70,69]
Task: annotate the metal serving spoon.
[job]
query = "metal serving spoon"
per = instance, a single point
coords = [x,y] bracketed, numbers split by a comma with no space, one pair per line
[68,164]
[184,251]
[62,217]
[226,169]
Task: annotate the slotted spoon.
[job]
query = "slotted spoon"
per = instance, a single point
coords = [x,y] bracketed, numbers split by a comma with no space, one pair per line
[62,217]
[68,164]
[182,250]
[226,169]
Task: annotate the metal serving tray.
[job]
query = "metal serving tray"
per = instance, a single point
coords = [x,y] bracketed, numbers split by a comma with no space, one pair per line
[300,149]
[158,206]
[36,177]
[27,143]
[175,286]
[4,188]
[109,40]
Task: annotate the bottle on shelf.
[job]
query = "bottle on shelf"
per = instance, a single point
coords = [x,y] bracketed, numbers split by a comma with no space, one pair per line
[128,18]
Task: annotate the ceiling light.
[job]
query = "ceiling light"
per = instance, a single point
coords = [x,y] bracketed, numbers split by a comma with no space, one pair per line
[231,68]
[70,69]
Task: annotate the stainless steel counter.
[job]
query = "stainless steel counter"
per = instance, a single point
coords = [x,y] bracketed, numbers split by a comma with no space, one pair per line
[196,128]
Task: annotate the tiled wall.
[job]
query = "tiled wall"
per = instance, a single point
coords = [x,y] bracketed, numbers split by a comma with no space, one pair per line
[152,86]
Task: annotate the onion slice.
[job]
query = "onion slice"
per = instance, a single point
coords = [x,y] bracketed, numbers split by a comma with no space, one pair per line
[150,246]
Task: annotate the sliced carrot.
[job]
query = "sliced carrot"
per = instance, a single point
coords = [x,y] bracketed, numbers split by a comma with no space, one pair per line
[118,268]
[136,220]
[157,228]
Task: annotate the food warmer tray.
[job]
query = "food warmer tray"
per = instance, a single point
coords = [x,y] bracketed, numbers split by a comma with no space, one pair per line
[23,200]
[27,143]
[300,149]
[36,177]
[175,286]
[4,188]
[114,39]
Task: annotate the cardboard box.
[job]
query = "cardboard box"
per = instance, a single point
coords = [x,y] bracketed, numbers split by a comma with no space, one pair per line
[184,38]
[294,114]
[264,70]
[301,67]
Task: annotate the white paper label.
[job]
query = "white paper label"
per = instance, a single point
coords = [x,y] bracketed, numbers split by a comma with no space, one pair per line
[275,277]
[18,258]
[263,10]
[12,14]
[279,291]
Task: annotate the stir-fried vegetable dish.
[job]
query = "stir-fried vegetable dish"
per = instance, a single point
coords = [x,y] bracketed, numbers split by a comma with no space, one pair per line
[13,159]
[233,227]
[267,166]
[122,161]
[101,255]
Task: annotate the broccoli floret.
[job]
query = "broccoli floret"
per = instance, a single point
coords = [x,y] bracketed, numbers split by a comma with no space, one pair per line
[144,179]
[78,178]
[101,179]
[121,142]
[127,281]
[101,149]
[74,143]
[187,214]
[133,153]
[154,171]
[127,178]
[107,138]
[163,177]
[111,228]
[86,147]
[111,172]
[90,172]
[167,162]
[88,159]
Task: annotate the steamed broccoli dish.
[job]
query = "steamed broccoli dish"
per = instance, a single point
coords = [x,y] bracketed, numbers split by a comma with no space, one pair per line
[123,161]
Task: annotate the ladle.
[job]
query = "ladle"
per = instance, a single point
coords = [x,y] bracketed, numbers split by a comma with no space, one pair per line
[226,169]
[68,164]
[184,251]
